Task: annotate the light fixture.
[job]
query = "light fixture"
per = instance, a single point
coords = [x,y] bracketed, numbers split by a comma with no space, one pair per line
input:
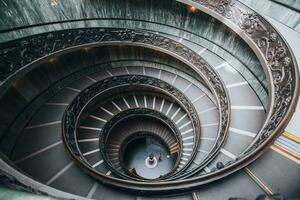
[53,3]
[87,49]
[193,9]
[52,60]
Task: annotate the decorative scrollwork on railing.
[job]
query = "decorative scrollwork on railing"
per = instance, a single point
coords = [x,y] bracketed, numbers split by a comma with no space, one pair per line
[23,53]
[133,112]
[136,112]
[101,90]
[267,43]
[222,7]
[277,60]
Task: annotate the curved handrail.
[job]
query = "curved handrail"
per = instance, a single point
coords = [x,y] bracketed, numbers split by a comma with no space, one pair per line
[280,68]
[104,89]
[34,50]
[274,54]
[146,112]
[277,61]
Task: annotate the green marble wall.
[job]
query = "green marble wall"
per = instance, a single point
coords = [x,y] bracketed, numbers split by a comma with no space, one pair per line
[166,16]
[279,10]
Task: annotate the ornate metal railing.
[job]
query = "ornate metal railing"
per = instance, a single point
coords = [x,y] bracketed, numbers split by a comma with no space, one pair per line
[104,90]
[105,133]
[271,49]
[274,54]
[27,53]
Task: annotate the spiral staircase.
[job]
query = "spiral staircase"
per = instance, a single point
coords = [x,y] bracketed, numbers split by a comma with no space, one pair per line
[149,99]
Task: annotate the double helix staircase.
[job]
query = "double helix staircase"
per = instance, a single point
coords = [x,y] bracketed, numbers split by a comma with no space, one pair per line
[139,109]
